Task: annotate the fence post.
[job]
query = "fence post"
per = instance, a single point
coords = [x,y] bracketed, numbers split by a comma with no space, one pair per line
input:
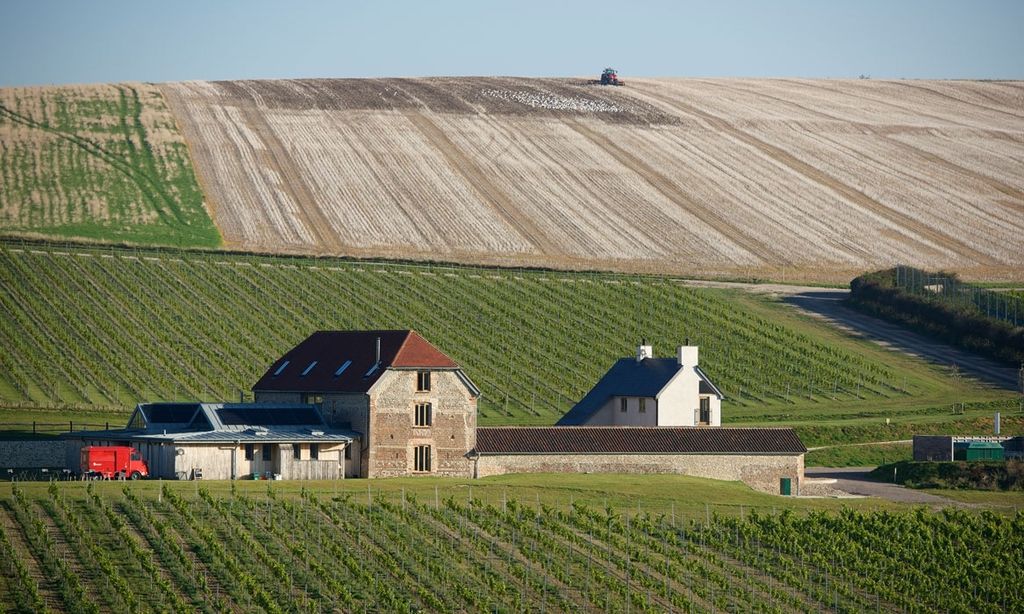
[71,426]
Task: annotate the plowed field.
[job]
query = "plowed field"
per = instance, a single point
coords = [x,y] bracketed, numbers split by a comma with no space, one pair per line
[781,178]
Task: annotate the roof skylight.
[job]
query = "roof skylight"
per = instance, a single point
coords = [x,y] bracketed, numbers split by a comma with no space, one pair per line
[281,368]
[342,368]
[309,368]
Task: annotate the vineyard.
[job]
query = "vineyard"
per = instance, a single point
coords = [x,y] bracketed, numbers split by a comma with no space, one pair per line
[98,162]
[81,548]
[776,178]
[107,328]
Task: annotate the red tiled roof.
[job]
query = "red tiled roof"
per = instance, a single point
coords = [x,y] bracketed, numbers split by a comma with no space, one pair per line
[636,440]
[330,350]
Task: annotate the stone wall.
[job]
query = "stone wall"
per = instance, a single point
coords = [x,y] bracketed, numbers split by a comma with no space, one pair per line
[32,454]
[394,436]
[760,472]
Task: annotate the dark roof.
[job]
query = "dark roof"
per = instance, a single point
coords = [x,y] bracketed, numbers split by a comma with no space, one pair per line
[267,415]
[216,422]
[636,440]
[630,378]
[170,413]
[341,361]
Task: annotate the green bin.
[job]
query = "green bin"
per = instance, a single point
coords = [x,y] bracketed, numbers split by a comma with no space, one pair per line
[786,486]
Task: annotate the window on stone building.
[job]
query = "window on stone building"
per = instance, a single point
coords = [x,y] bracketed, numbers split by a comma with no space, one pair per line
[623,404]
[421,460]
[249,452]
[267,451]
[314,451]
[424,414]
[296,451]
[643,406]
[422,381]
[315,399]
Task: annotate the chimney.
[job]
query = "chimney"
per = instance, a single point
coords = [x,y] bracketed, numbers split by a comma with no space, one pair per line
[688,355]
[996,423]
[644,351]
[378,352]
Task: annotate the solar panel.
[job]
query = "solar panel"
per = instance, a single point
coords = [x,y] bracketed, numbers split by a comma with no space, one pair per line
[171,413]
[267,416]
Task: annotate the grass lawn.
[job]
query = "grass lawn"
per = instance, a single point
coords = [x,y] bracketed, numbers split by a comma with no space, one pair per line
[686,497]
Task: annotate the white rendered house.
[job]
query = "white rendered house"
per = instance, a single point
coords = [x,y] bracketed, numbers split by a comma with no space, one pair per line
[649,391]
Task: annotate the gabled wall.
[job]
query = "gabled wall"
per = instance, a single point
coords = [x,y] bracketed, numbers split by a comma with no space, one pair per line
[393,436]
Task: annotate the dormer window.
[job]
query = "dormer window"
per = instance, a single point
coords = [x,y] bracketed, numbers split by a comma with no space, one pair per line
[423,381]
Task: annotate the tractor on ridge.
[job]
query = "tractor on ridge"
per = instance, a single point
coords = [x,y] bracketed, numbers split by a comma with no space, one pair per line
[610,76]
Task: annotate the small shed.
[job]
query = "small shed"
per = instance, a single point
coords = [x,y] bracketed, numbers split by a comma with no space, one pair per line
[980,450]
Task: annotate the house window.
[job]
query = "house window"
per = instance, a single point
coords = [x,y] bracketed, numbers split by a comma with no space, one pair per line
[643,406]
[422,458]
[267,451]
[314,451]
[296,451]
[348,452]
[623,404]
[315,399]
[422,381]
[705,410]
[424,414]
[248,452]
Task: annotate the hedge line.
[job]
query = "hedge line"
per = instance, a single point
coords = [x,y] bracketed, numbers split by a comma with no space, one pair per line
[961,325]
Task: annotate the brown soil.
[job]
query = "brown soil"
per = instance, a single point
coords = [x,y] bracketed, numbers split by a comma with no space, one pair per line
[648,178]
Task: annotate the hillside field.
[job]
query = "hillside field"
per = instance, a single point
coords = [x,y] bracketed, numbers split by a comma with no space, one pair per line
[97,330]
[439,547]
[777,178]
[103,162]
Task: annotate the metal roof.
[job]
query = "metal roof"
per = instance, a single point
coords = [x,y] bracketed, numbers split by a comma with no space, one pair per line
[637,440]
[227,422]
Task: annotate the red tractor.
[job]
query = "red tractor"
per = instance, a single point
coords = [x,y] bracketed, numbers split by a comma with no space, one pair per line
[611,77]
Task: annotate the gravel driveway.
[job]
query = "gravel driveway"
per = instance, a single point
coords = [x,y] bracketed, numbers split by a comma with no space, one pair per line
[854,480]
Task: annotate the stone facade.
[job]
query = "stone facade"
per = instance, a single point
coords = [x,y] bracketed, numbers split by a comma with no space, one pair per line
[760,472]
[385,417]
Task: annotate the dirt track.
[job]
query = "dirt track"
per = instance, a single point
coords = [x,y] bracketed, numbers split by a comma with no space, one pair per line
[706,177]
[854,480]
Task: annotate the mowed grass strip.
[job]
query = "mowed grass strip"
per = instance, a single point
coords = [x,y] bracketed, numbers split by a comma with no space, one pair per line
[98,162]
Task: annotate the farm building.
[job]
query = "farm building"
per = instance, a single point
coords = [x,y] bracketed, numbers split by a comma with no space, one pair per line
[413,406]
[649,391]
[388,403]
[228,441]
[768,459]
[970,448]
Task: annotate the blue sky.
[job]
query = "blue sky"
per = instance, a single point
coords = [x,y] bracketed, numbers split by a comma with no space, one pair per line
[80,41]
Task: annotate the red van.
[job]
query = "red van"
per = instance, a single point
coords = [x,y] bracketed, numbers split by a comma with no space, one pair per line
[113,462]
